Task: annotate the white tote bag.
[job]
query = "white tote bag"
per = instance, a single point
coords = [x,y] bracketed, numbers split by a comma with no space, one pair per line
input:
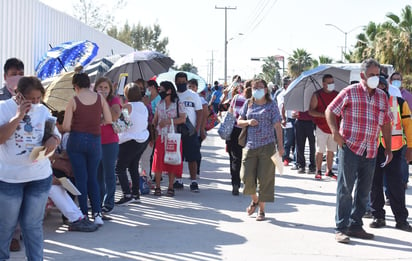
[172,147]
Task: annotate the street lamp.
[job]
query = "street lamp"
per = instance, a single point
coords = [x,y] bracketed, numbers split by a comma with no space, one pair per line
[226,42]
[345,33]
[277,58]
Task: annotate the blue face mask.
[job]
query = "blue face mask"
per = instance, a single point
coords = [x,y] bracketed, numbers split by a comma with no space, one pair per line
[258,94]
[397,83]
[181,87]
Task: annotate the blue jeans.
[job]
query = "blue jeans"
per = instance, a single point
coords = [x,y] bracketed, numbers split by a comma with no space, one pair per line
[85,153]
[289,139]
[106,176]
[23,202]
[353,169]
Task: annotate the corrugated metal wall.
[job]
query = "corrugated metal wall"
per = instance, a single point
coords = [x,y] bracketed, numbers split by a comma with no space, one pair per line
[27,27]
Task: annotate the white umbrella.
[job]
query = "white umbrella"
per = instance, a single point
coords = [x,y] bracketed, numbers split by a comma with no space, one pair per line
[140,65]
[170,76]
[297,96]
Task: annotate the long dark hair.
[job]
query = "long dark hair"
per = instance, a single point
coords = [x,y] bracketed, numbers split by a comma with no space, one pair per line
[167,85]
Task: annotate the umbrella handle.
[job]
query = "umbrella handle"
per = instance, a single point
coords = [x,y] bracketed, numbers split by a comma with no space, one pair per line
[58,59]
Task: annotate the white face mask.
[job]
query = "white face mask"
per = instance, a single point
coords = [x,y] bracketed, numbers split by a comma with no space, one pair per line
[258,94]
[331,87]
[396,83]
[148,93]
[34,107]
[373,82]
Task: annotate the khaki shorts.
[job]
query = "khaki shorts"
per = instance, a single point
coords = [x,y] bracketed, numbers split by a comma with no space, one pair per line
[258,172]
[325,142]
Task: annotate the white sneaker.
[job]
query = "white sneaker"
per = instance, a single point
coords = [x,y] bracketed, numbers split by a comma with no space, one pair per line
[98,219]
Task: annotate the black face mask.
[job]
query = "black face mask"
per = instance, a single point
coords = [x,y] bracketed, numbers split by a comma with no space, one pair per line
[216,88]
[163,95]
[181,87]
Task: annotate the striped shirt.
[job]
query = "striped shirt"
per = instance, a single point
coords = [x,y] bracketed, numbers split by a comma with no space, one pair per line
[362,117]
[237,104]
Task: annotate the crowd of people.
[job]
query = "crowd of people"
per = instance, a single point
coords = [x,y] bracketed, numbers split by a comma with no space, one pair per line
[366,126]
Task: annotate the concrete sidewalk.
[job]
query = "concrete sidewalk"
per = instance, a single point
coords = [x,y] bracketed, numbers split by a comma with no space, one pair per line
[213,224]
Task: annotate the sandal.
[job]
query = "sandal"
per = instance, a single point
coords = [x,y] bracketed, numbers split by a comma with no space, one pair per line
[170,192]
[157,192]
[252,207]
[260,216]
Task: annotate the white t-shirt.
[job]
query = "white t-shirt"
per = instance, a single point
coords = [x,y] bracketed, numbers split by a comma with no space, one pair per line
[280,99]
[138,131]
[192,103]
[15,164]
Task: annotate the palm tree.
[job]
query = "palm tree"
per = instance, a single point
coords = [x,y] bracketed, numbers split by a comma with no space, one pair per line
[402,38]
[299,62]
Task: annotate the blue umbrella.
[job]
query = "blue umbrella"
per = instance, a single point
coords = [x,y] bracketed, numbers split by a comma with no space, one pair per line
[65,57]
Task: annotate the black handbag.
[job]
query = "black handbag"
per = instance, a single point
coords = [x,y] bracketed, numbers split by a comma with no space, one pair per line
[185,129]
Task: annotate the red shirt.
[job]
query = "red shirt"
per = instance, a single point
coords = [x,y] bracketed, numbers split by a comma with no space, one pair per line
[324,99]
[108,134]
[362,117]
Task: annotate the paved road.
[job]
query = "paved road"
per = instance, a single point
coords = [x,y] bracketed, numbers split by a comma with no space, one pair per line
[213,224]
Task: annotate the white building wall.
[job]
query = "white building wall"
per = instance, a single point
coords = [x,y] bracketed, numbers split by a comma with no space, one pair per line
[27,27]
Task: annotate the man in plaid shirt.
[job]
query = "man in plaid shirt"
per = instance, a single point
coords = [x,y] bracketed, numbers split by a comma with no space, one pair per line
[364,112]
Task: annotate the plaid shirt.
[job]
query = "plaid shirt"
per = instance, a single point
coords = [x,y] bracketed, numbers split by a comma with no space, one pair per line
[362,117]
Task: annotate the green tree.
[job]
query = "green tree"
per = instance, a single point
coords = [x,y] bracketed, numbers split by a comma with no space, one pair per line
[141,37]
[299,61]
[187,67]
[401,36]
[270,70]
[96,13]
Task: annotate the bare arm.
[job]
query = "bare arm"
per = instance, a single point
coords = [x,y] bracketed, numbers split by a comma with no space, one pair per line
[68,116]
[387,135]
[199,120]
[107,115]
[312,107]
[333,125]
[279,136]
[115,110]
[9,128]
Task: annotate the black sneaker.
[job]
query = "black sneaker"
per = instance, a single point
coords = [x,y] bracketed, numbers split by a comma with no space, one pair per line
[178,185]
[359,233]
[301,170]
[377,223]
[312,170]
[124,201]
[404,227]
[194,187]
[135,199]
[83,226]
[235,190]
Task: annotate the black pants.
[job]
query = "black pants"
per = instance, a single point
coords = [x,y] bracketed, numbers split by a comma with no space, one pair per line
[235,156]
[395,187]
[128,158]
[304,130]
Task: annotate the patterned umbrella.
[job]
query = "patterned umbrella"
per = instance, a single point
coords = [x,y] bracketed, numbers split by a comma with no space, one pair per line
[140,65]
[59,91]
[65,57]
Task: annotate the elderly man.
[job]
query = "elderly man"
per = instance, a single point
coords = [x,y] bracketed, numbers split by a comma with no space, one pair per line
[364,112]
[324,140]
[393,172]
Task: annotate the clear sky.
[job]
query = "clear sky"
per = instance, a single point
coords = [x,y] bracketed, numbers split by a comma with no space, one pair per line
[270,27]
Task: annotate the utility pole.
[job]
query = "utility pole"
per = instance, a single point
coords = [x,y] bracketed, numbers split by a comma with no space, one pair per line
[226,8]
[211,68]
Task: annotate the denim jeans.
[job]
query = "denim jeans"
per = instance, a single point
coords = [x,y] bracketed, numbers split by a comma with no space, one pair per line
[23,202]
[289,139]
[353,171]
[129,157]
[85,153]
[106,176]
